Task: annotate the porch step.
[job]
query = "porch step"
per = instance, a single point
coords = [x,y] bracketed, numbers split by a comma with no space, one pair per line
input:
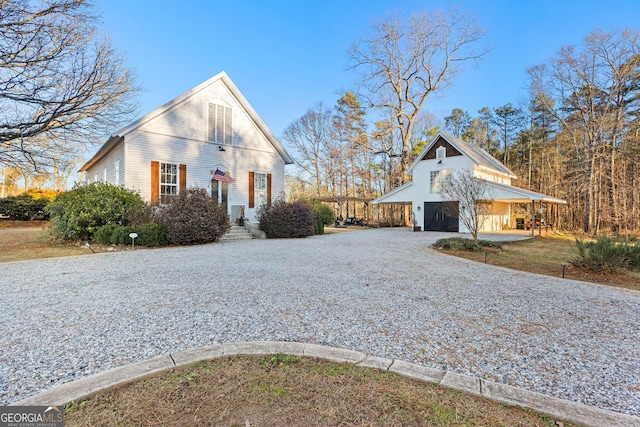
[237,233]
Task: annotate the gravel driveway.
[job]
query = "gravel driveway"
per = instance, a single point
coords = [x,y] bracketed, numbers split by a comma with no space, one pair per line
[383,292]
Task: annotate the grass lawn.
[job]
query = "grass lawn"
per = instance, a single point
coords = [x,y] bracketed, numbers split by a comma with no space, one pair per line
[545,255]
[283,390]
[23,240]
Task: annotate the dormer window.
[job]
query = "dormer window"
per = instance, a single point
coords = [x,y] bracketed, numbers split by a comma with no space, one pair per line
[220,126]
[441,153]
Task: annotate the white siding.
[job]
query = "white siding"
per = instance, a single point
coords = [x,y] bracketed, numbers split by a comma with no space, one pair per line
[487,176]
[201,158]
[108,163]
[189,120]
[179,135]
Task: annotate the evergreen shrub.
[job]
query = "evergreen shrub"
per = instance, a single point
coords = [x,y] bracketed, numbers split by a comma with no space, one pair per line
[151,235]
[24,207]
[78,213]
[463,244]
[324,216]
[605,255]
[103,234]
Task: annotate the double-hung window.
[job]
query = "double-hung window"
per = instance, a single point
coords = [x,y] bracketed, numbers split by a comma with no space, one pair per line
[220,124]
[260,186]
[168,181]
[438,179]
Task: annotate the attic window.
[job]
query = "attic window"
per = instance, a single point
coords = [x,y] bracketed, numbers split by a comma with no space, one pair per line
[441,153]
[220,124]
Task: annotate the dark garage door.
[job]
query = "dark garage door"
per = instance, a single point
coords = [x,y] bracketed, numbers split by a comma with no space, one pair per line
[441,216]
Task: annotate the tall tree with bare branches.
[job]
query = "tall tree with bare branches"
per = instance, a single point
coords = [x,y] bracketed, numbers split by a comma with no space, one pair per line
[403,63]
[61,82]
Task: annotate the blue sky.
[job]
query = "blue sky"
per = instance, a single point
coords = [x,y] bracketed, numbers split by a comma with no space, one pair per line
[285,56]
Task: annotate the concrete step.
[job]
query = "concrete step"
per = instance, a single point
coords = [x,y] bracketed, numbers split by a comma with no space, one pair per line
[237,233]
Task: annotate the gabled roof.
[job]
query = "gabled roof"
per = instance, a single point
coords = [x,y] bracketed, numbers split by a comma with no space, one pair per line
[478,156]
[397,195]
[117,137]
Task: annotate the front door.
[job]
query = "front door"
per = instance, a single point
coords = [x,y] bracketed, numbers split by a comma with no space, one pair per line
[220,192]
[441,216]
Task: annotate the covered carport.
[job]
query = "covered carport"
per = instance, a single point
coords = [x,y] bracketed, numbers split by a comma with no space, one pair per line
[539,203]
[341,201]
[501,196]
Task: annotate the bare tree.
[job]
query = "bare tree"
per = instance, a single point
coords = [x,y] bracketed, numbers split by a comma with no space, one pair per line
[474,197]
[592,92]
[61,84]
[402,63]
[310,136]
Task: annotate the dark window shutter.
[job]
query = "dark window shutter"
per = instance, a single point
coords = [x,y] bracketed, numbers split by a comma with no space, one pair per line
[183,178]
[155,183]
[252,195]
[268,189]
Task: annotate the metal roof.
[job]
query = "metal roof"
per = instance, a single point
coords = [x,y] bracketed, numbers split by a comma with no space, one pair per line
[478,156]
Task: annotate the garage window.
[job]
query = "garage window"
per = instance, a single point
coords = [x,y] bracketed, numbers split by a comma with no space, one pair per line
[438,178]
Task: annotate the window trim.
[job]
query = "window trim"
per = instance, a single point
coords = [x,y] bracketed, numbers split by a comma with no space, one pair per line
[260,194]
[214,125]
[175,173]
[437,178]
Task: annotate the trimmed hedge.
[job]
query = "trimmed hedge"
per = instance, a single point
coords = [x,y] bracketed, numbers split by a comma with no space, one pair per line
[192,217]
[24,207]
[151,235]
[284,219]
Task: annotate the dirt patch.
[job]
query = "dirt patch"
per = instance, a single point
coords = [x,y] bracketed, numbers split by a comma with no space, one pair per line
[5,223]
[282,390]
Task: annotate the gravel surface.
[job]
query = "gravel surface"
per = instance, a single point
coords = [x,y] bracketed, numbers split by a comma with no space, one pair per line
[383,292]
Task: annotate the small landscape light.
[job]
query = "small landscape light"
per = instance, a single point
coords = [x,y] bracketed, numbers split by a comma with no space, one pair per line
[563,265]
[133,239]
[89,246]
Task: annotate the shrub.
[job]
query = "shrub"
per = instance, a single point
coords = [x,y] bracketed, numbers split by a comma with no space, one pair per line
[192,217]
[284,219]
[462,244]
[151,235]
[120,235]
[318,227]
[103,234]
[144,214]
[25,207]
[605,255]
[78,213]
[324,216]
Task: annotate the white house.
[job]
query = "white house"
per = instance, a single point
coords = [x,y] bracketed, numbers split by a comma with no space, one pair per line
[209,137]
[439,161]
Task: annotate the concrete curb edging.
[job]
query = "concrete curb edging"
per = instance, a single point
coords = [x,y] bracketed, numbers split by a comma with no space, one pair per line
[554,407]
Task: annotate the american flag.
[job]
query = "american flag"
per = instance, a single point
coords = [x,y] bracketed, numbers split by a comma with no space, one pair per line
[221,176]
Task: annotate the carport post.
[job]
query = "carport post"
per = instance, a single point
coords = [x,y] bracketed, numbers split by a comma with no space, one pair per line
[533,218]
